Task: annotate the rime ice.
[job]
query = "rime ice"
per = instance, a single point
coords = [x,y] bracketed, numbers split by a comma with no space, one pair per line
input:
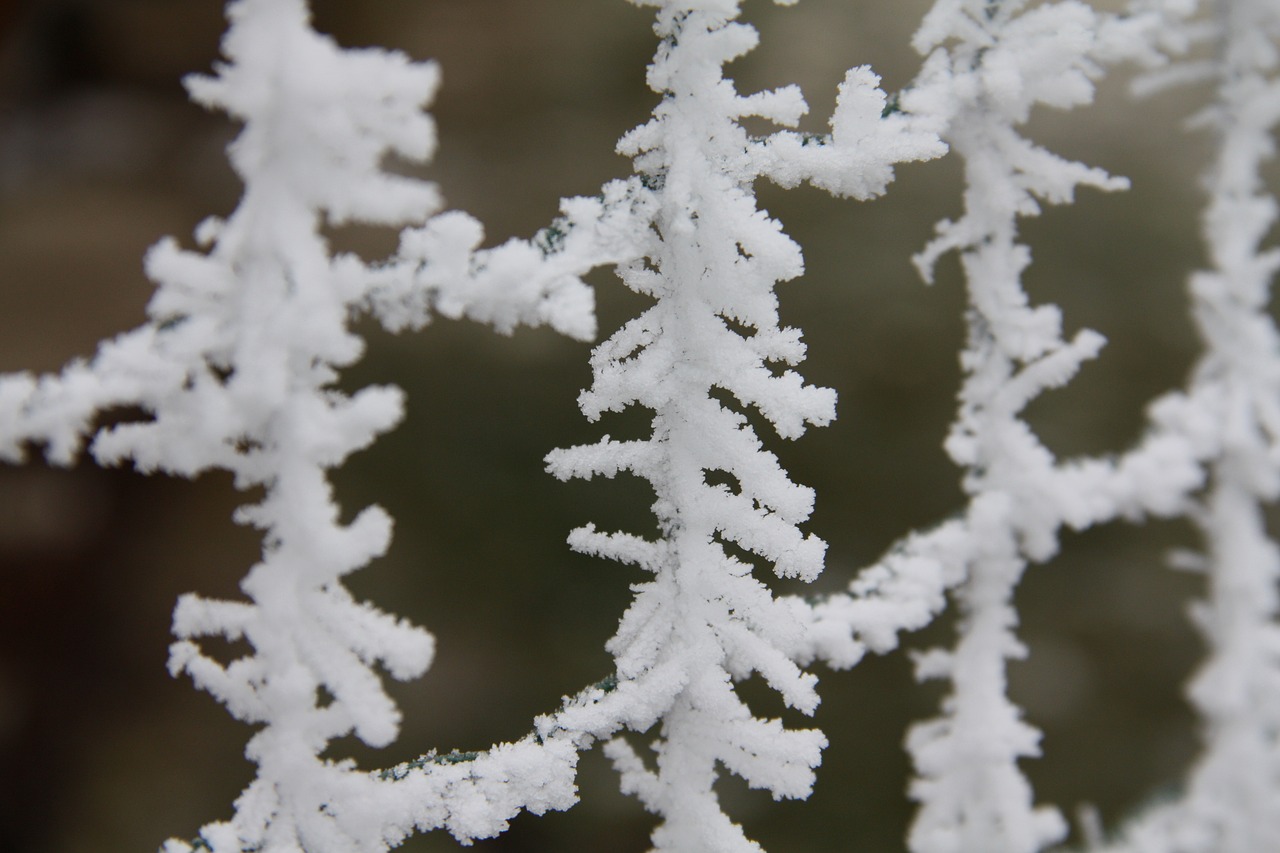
[236,370]
[1230,416]
[724,507]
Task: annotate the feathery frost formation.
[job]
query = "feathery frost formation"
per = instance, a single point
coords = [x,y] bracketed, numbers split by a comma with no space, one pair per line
[988,65]
[698,358]
[1231,413]
[235,370]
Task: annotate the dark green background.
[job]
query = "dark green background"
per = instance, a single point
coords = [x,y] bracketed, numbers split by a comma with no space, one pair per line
[100,155]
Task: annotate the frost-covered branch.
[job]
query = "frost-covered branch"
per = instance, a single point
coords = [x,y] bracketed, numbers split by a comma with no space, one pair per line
[989,64]
[236,369]
[440,267]
[698,358]
[1231,413]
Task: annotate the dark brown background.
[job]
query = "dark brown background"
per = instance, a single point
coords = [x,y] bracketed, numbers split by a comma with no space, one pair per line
[100,155]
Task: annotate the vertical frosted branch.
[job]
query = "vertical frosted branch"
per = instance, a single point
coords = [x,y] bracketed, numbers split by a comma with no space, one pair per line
[989,64]
[699,358]
[264,318]
[1231,410]
[236,370]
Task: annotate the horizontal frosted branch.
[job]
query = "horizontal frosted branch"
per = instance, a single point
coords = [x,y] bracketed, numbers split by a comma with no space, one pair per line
[606,457]
[907,588]
[59,410]
[904,591]
[623,547]
[471,799]
[441,266]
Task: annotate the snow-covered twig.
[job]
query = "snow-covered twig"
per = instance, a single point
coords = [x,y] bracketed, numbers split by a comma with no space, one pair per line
[236,370]
[989,64]
[698,358]
[1230,413]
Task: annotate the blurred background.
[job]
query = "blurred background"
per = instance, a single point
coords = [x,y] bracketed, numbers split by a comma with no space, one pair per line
[101,155]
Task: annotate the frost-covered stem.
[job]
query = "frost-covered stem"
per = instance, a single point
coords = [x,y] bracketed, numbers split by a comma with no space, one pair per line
[990,64]
[698,358]
[973,795]
[1232,412]
[309,678]
[1233,796]
[703,619]
[235,370]
[1234,792]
